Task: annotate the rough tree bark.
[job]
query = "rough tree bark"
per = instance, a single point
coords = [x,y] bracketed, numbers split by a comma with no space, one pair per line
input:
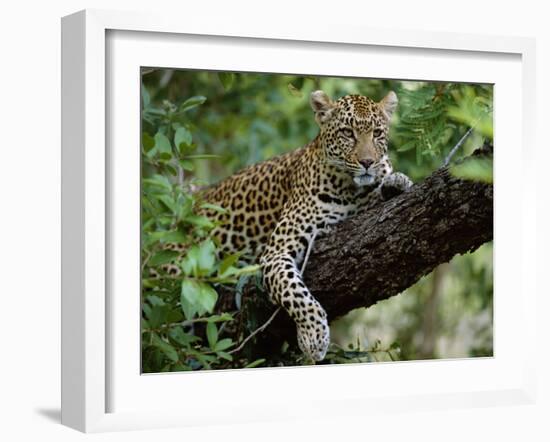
[379,254]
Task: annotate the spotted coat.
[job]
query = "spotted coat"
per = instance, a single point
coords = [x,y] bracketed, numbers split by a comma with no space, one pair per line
[277,208]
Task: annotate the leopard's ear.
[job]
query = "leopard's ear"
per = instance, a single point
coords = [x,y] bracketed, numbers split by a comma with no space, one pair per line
[388,104]
[321,105]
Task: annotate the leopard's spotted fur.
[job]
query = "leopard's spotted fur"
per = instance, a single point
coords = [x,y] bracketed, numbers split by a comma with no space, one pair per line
[277,207]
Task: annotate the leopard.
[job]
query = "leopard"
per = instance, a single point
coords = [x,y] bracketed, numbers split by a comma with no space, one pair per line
[275,209]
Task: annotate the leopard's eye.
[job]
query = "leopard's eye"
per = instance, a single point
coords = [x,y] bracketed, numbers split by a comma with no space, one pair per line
[348,133]
[377,132]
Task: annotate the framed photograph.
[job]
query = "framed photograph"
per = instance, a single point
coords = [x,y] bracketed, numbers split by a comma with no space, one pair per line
[264,224]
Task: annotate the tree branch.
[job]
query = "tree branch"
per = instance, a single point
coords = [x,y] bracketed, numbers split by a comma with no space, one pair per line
[378,255]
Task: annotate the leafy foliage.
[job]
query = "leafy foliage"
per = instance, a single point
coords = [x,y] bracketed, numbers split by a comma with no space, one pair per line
[174,308]
[433,117]
[474,169]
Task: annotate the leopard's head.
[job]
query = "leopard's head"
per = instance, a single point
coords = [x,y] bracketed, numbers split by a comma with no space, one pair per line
[354,134]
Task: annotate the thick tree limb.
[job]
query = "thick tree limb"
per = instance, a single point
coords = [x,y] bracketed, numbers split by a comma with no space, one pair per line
[370,258]
[377,255]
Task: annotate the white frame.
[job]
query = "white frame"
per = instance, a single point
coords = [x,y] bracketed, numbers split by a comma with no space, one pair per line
[84,312]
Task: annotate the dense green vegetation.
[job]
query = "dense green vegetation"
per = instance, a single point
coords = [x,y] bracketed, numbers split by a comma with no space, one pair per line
[198,127]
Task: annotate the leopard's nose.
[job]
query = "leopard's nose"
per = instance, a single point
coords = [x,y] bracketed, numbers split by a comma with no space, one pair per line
[366,163]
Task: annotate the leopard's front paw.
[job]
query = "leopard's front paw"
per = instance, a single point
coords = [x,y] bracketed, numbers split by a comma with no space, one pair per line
[314,337]
[394,184]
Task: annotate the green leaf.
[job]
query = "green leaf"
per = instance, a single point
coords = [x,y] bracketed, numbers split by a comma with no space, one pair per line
[215,207]
[157,315]
[179,336]
[154,300]
[187,165]
[165,348]
[224,355]
[145,97]
[169,202]
[189,299]
[205,360]
[406,146]
[147,141]
[182,139]
[294,91]
[247,270]
[155,112]
[146,309]
[208,297]
[226,79]
[220,318]
[165,236]
[171,170]
[192,102]
[212,334]
[180,367]
[190,262]
[255,363]
[284,347]
[200,221]
[174,316]
[228,261]
[163,257]
[185,206]
[474,169]
[395,345]
[164,220]
[174,236]
[207,257]
[223,344]
[158,181]
[162,143]
[148,283]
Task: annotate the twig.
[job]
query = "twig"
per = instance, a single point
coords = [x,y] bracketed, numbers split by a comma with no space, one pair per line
[461,141]
[457,145]
[255,332]
[145,260]
[309,247]
[181,176]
